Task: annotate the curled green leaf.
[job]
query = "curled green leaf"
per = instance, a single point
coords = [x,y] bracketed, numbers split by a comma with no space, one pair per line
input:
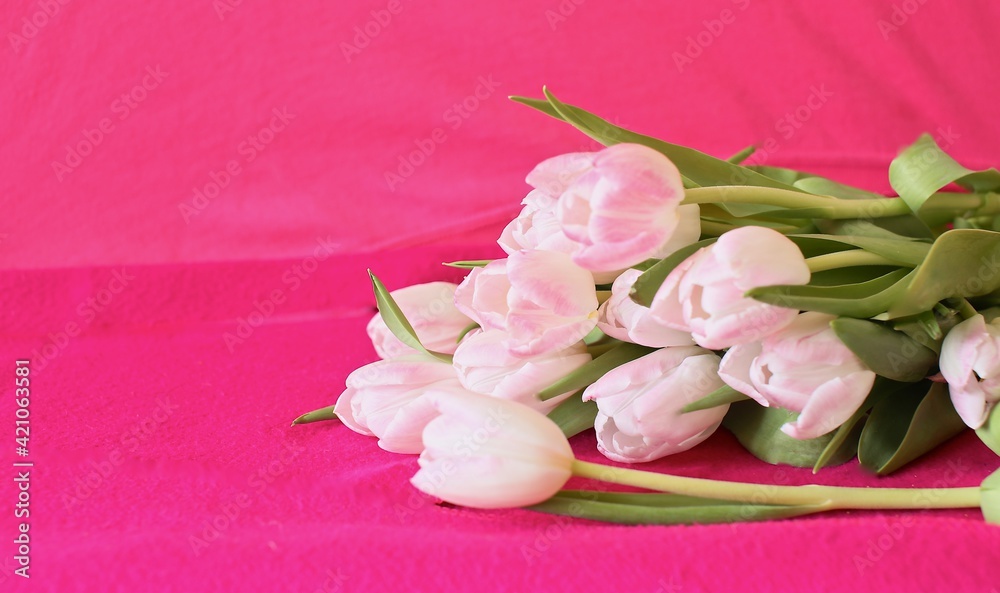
[906,425]
[396,321]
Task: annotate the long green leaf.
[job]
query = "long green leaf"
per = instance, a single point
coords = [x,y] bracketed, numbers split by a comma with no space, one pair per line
[890,353]
[637,514]
[722,396]
[923,168]
[758,429]
[862,300]
[646,285]
[396,321]
[700,168]
[903,250]
[845,439]
[989,433]
[595,369]
[903,427]
[961,263]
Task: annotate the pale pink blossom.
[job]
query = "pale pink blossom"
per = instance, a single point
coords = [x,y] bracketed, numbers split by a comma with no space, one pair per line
[804,368]
[485,365]
[639,404]
[536,227]
[541,299]
[705,293]
[487,452]
[384,399]
[970,363]
[430,309]
[622,318]
[623,209]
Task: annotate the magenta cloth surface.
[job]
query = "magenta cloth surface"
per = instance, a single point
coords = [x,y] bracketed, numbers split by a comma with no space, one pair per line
[165,462]
[166,168]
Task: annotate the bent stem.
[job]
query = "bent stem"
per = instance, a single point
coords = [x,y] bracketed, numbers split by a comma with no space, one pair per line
[782,198]
[829,497]
[847,259]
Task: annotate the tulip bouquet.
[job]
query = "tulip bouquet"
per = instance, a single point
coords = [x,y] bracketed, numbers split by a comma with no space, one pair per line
[654,293]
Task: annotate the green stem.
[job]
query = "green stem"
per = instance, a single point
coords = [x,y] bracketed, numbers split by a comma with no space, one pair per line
[835,208]
[847,259]
[965,309]
[832,497]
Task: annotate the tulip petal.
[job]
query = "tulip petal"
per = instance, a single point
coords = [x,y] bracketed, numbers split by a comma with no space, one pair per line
[831,405]
[735,370]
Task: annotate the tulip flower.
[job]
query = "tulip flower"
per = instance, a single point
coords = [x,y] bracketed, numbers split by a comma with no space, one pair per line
[487,452]
[536,227]
[622,318]
[639,404]
[970,363]
[541,299]
[705,293]
[622,208]
[485,365]
[804,368]
[384,399]
[430,309]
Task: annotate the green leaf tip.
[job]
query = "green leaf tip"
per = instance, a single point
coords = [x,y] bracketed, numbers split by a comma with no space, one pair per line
[316,416]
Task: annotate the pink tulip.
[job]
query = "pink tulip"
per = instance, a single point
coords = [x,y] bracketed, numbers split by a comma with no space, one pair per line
[622,318]
[486,452]
[639,404]
[430,309]
[482,296]
[804,368]
[970,363]
[622,208]
[536,227]
[384,399]
[485,365]
[705,293]
[540,298]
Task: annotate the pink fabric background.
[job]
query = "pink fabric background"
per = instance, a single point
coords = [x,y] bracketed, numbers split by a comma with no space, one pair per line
[335,513]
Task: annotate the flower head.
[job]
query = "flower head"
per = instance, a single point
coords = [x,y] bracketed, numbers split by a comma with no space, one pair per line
[487,452]
[541,299]
[970,363]
[619,205]
[804,368]
[705,293]
[384,399]
[639,404]
[622,318]
[485,365]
